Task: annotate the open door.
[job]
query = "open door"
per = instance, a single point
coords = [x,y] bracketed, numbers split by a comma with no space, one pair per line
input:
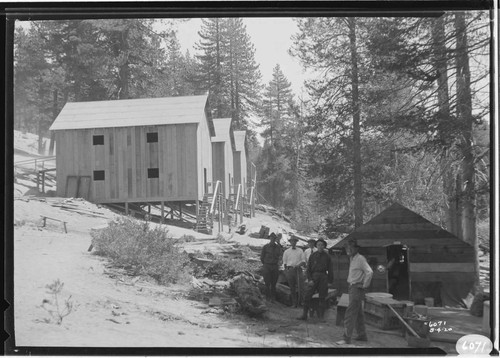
[398,277]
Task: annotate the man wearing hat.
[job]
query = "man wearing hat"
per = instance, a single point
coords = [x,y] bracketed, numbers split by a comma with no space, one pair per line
[311,247]
[270,257]
[294,260]
[359,279]
[319,274]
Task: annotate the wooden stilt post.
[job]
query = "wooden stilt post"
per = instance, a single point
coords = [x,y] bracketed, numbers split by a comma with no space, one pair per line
[162,211]
[149,209]
[180,210]
[43,182]
[126,208]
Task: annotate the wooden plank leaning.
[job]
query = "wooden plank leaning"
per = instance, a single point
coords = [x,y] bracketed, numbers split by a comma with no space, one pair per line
[403,321]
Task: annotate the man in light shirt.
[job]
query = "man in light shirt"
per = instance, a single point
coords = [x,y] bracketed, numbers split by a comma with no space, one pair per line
[311,248]
[294,259]
[359,279]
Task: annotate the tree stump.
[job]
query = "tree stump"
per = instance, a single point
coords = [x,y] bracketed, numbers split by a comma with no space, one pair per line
[249,295]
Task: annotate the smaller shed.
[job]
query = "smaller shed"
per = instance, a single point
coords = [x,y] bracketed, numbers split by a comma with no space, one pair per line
[240,160]
[222,155]
[412,258]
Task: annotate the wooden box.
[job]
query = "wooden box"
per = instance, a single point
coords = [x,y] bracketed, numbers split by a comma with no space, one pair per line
[379,315]
[341,308]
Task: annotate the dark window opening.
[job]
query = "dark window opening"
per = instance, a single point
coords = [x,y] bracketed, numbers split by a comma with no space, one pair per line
[98,140]
[152,137]
[98,174]
[153,173]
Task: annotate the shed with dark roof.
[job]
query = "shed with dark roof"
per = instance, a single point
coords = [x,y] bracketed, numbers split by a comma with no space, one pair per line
[428,261]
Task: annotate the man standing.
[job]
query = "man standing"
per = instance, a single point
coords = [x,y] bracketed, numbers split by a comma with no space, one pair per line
[270,257]
[319,274]
[311,243]
[358,280]
[294,260]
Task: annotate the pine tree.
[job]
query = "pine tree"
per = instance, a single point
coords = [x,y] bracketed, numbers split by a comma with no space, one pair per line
[332,47]
[227,69]
[244,78]
[212,70]
[276,107]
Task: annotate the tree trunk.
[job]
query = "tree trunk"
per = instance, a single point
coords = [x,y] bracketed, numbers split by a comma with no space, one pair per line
[441,67]
[54,115]
[464,109]
[358,190]
[124,71]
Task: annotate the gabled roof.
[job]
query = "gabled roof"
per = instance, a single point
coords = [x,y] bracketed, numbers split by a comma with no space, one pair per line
[397,223]
[131,112]
[239,140]
[222,129]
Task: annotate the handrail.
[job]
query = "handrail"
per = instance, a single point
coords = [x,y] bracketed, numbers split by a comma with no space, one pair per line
[214,199]
[33,160]
[254,174]
[251,195]
[237,203]
[238,196]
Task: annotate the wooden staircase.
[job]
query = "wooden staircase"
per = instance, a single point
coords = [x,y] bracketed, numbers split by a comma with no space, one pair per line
[204,221]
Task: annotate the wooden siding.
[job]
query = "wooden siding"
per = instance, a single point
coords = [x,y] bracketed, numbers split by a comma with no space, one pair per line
[70,161]
[237,169]
[228,163]
[204,154]
[218,163]
[222,155]
[240,177]
[126,157]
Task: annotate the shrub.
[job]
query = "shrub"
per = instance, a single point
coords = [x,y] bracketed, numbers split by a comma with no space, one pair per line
[56,309]
[134,245]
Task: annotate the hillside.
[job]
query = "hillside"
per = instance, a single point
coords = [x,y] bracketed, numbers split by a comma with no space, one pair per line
[111,308]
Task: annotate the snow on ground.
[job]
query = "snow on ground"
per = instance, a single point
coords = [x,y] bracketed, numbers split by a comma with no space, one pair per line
[109,312]
[119,311]
[27,143]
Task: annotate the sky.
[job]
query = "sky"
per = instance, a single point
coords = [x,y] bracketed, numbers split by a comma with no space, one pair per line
[271,38]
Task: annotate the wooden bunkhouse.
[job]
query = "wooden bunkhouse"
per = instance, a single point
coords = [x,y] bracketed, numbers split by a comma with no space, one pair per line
[222,155]
[152,150]
[429,261]
[240,160]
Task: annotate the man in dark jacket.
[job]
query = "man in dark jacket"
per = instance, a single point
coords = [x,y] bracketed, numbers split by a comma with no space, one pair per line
[270,257]
[319,274]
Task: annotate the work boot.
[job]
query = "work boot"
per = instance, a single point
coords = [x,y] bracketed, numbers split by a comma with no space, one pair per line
[304,313]
[321,311]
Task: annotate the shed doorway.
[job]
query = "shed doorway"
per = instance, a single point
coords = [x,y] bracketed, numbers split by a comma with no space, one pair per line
[398,278]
